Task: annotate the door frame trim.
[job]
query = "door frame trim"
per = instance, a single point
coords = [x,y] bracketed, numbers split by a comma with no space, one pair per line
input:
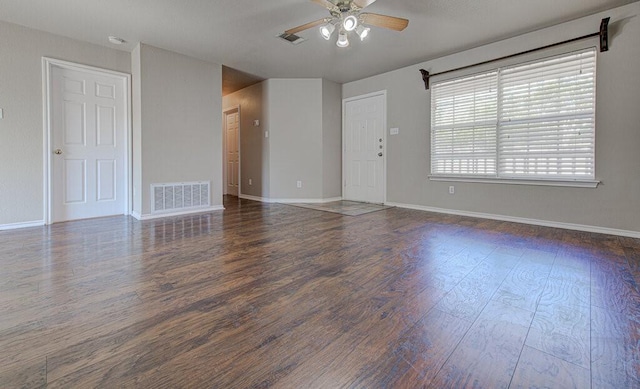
[47,65]
[225,111]
[382,93]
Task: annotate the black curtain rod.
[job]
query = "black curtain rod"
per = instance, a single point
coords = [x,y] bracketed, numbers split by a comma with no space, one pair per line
[604,46]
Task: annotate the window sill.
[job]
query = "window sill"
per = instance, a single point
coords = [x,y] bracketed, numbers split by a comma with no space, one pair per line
[518,181]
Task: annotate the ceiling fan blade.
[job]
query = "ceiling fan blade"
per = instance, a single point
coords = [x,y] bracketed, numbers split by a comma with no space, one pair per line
[390,22]
[307,26]
[325,3]
[363,3]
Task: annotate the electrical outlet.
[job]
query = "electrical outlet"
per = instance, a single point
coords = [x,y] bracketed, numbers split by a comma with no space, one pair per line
[394,131]
[452,189]
[299,184]
[250,181]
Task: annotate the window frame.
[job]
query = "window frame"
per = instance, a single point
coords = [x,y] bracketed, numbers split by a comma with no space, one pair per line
[555,180]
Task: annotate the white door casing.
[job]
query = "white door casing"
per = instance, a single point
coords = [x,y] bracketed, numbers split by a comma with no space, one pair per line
[87,125]
[232,152]
[364,148]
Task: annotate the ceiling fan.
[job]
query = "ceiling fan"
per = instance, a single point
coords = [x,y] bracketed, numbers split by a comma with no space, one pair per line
[347,16]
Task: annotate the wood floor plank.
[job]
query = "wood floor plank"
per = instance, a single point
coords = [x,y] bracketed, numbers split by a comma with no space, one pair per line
[466,300]
[615,288]
[524,285]
[420,354]
[394,318]
[267,295]
[24,373]
[537,369]
[615,349]
[488,354]
[576,293]
[562,331]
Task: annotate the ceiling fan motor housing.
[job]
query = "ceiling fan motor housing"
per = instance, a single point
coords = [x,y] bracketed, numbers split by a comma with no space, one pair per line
[344,5]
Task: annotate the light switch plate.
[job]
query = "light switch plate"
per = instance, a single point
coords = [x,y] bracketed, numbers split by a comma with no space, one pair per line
[1,113]
[394,131]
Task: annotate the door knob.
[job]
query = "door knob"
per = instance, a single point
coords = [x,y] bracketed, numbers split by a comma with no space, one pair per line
[380,154]
[57,151]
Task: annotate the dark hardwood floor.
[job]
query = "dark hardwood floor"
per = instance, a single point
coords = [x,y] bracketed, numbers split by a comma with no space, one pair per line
[269,295]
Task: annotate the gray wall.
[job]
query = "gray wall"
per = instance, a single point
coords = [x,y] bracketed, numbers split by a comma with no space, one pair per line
[21,130]
[614,204]
[295,137]
[136,113]
[331,139]
[180,108]
[266,156]
[253,145]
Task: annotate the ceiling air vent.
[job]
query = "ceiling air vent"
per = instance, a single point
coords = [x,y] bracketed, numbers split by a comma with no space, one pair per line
[291,38]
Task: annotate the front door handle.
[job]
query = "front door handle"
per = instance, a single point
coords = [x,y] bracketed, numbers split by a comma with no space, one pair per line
[57,151]
[380,154]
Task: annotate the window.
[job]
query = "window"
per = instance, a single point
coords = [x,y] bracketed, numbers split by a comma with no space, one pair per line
[532,121]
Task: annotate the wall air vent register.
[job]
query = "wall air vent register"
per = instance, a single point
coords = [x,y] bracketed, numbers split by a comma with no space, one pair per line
[179,196]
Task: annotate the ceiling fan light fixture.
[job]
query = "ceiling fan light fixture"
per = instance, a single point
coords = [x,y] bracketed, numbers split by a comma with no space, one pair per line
[343,41]
[350,23]
[362,31]
[327,30]
[346,16]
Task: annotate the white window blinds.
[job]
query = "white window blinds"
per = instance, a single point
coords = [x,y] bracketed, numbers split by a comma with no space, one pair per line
[547,118]
[531,121]
[463,125]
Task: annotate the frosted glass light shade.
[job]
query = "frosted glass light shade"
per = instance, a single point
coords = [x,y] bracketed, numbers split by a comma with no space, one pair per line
[342,40]
[350,23]
[362,31]
[327,30]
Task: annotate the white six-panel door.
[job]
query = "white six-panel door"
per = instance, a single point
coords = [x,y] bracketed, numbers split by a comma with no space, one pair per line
[363,156]
[232,152]
[87,138]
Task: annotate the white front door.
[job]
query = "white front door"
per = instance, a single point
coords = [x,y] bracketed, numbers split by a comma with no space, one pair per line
[233,152]
[363,160]
[88,122]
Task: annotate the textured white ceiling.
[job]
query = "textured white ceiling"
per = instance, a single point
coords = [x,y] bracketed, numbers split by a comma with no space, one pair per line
[241,33]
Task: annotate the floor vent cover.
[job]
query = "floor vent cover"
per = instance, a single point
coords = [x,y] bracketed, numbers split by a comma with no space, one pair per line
[179,196]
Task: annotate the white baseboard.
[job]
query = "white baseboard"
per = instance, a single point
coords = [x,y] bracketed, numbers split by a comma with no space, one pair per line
[15,226]
[254,198]
[536,222]
[138,216]
[290,201]
[307,201]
